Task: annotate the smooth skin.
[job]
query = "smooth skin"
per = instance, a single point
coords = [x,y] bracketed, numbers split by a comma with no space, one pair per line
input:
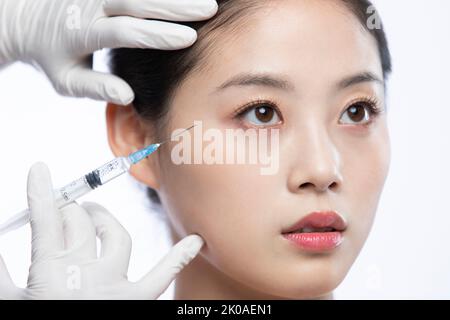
[327,162]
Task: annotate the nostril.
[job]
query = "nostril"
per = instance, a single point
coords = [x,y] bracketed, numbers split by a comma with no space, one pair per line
[309,184]
[305,185]
[333,185]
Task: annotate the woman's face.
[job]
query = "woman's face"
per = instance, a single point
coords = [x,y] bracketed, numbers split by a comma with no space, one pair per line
[333,152]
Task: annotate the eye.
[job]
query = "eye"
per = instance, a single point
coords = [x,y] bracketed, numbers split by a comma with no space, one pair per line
[362,112]
[260,114]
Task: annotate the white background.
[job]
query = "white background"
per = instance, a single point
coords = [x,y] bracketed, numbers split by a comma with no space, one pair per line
[407,254]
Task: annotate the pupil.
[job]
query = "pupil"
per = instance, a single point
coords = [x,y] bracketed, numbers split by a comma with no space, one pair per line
[264,114]
[357,113]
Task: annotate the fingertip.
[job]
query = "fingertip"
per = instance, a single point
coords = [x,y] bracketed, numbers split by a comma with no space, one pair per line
[194,243]
[184,37]
[212,10]
[39,168]
[190,36]
[119,94]
[117,91]
[39,180]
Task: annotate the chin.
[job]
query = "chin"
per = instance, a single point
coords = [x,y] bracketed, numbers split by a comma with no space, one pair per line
[310,280]
[311,289]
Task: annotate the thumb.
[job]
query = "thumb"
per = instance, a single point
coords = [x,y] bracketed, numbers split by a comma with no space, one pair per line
[152,285]
[81,81]
[8,290]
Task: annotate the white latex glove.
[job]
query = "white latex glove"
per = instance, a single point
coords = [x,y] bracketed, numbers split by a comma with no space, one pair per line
[59,36]
[64,254]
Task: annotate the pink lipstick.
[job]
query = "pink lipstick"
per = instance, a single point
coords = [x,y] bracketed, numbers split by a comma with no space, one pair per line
[319,231]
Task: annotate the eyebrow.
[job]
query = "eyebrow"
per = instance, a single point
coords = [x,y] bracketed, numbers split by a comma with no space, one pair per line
[279,82]
[359,78]
[259,79]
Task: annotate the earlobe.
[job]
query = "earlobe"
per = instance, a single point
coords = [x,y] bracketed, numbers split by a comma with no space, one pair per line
[127,134]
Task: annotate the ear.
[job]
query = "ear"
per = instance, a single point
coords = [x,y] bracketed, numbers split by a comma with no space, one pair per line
[127,134]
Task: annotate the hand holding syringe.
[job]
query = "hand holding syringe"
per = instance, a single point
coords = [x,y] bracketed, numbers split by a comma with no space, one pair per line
[65,261]
[87,183]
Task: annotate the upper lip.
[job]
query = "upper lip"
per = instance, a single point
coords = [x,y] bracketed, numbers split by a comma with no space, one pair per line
[319,220]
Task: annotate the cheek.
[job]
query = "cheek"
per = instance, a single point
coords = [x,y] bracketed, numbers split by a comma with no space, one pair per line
[366,165]
[223,203]
[226,206]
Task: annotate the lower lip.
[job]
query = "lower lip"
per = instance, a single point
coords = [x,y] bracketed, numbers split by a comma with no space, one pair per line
[315,241]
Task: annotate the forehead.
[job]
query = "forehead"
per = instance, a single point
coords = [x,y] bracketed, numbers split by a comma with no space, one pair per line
[310,41]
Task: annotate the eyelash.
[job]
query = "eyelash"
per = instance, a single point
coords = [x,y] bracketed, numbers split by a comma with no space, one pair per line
[240,112]
[371,103]
[373,106]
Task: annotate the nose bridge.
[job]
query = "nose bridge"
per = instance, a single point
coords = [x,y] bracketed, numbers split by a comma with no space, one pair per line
[317,161]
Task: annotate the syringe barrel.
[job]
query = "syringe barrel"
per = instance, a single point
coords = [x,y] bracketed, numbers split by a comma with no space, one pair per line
[71,192]
[92,180]
[113,169]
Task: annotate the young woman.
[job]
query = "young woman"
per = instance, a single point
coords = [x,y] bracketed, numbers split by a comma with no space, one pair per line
[315,71]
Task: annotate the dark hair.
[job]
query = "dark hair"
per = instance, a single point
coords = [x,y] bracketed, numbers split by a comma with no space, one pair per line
[155,74]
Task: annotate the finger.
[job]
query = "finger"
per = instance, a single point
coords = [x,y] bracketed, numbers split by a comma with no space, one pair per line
[83,82]
[129,32]
[8,289]
[45,220]
[152,285]
[79,232]
[174,10]
[115,240]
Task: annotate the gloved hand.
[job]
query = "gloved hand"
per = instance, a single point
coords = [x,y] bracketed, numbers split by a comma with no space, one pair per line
[64,254]
[59,36]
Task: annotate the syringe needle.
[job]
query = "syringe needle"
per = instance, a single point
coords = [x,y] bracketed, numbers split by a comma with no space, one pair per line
[160,143]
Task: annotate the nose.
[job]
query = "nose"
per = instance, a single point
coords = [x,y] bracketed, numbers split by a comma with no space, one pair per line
[316,165]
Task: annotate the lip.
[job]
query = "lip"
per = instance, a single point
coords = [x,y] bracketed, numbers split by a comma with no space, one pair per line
[320,240]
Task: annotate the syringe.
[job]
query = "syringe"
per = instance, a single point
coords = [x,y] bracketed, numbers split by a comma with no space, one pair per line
[87,183]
